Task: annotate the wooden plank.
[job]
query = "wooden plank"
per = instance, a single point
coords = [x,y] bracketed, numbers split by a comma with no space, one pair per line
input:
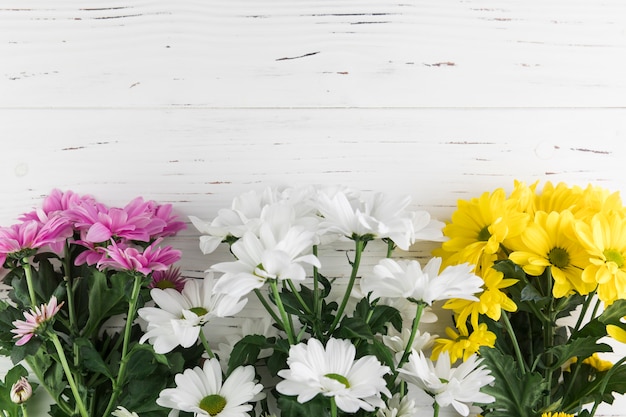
[269,53]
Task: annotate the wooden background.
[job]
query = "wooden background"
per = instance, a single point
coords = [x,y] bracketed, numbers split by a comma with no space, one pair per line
[193,102]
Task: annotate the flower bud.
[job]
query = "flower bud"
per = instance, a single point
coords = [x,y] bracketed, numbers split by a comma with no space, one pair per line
[21,391]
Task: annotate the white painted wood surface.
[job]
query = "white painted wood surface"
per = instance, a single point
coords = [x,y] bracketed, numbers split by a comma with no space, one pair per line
[193,102]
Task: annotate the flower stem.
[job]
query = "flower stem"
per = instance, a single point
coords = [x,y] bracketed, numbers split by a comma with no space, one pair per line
[516,348]
[296,294]
[24,410]
[68,374]
[435,409]
[333,407]
[130,318]
[409,346]
[29,281]
[205,343]
[359,246]
[267,306]
[281,309]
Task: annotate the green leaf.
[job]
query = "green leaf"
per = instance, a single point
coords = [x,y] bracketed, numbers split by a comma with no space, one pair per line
[246,351]
[290,406]
[381,316]
[580,347]
[354,328]
[516,394]
[106,299]
[91,358]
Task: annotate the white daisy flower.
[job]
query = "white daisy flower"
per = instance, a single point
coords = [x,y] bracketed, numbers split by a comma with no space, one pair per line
[122,412]
[379,215]
[179,317]
[457,387]
[202,391]
[398,406]
[406,279]
[277,253]
[247,212]
[397,341]
[334,372]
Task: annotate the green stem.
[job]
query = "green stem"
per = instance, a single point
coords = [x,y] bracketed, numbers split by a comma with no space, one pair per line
[205,343]
[24,411]
[333,407]
[518,352]
[70,287]
[548,338]
[281,309]
[68,374]
[435,409]
[296,293]
[359,246]
[29,281]
[40,377]
[583,311]
[130,318]
[409,346]
[267,306]
[390,247]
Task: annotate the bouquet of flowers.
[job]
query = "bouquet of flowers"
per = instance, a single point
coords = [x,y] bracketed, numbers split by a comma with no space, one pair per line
[554,271]
[311,343]
[73,265]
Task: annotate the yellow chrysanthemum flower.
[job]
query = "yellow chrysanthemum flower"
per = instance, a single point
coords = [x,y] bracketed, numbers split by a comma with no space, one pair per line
[479,226]
[490,302]
[557,414]
[550,242]
[524,196]
[604,238]
[598,363]
[616,333]
[462,345]
[596,199]
[594,361]
[557,198]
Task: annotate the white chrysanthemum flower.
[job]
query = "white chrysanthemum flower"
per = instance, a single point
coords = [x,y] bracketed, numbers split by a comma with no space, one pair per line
[398,406]
[247,212]
[122,412]
[426,228]
[378,215]
[201,391]
[406,279]
[333,372]
[277,253]
[457,387]
[179,317]
[397,341]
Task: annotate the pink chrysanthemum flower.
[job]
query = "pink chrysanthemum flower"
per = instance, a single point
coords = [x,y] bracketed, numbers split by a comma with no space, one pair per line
[153,258]
[169,278]
[172,226]
[26,329]
[23,238]
[136,221]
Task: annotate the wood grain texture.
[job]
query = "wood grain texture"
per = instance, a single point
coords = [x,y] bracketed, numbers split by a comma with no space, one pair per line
[270,53]
[194,102]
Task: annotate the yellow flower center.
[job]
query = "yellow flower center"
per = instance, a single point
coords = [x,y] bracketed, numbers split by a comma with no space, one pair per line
[339,378]
[484,234]
[613,255]
[198,311]
[213,404]
[558,257]
[165,284]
